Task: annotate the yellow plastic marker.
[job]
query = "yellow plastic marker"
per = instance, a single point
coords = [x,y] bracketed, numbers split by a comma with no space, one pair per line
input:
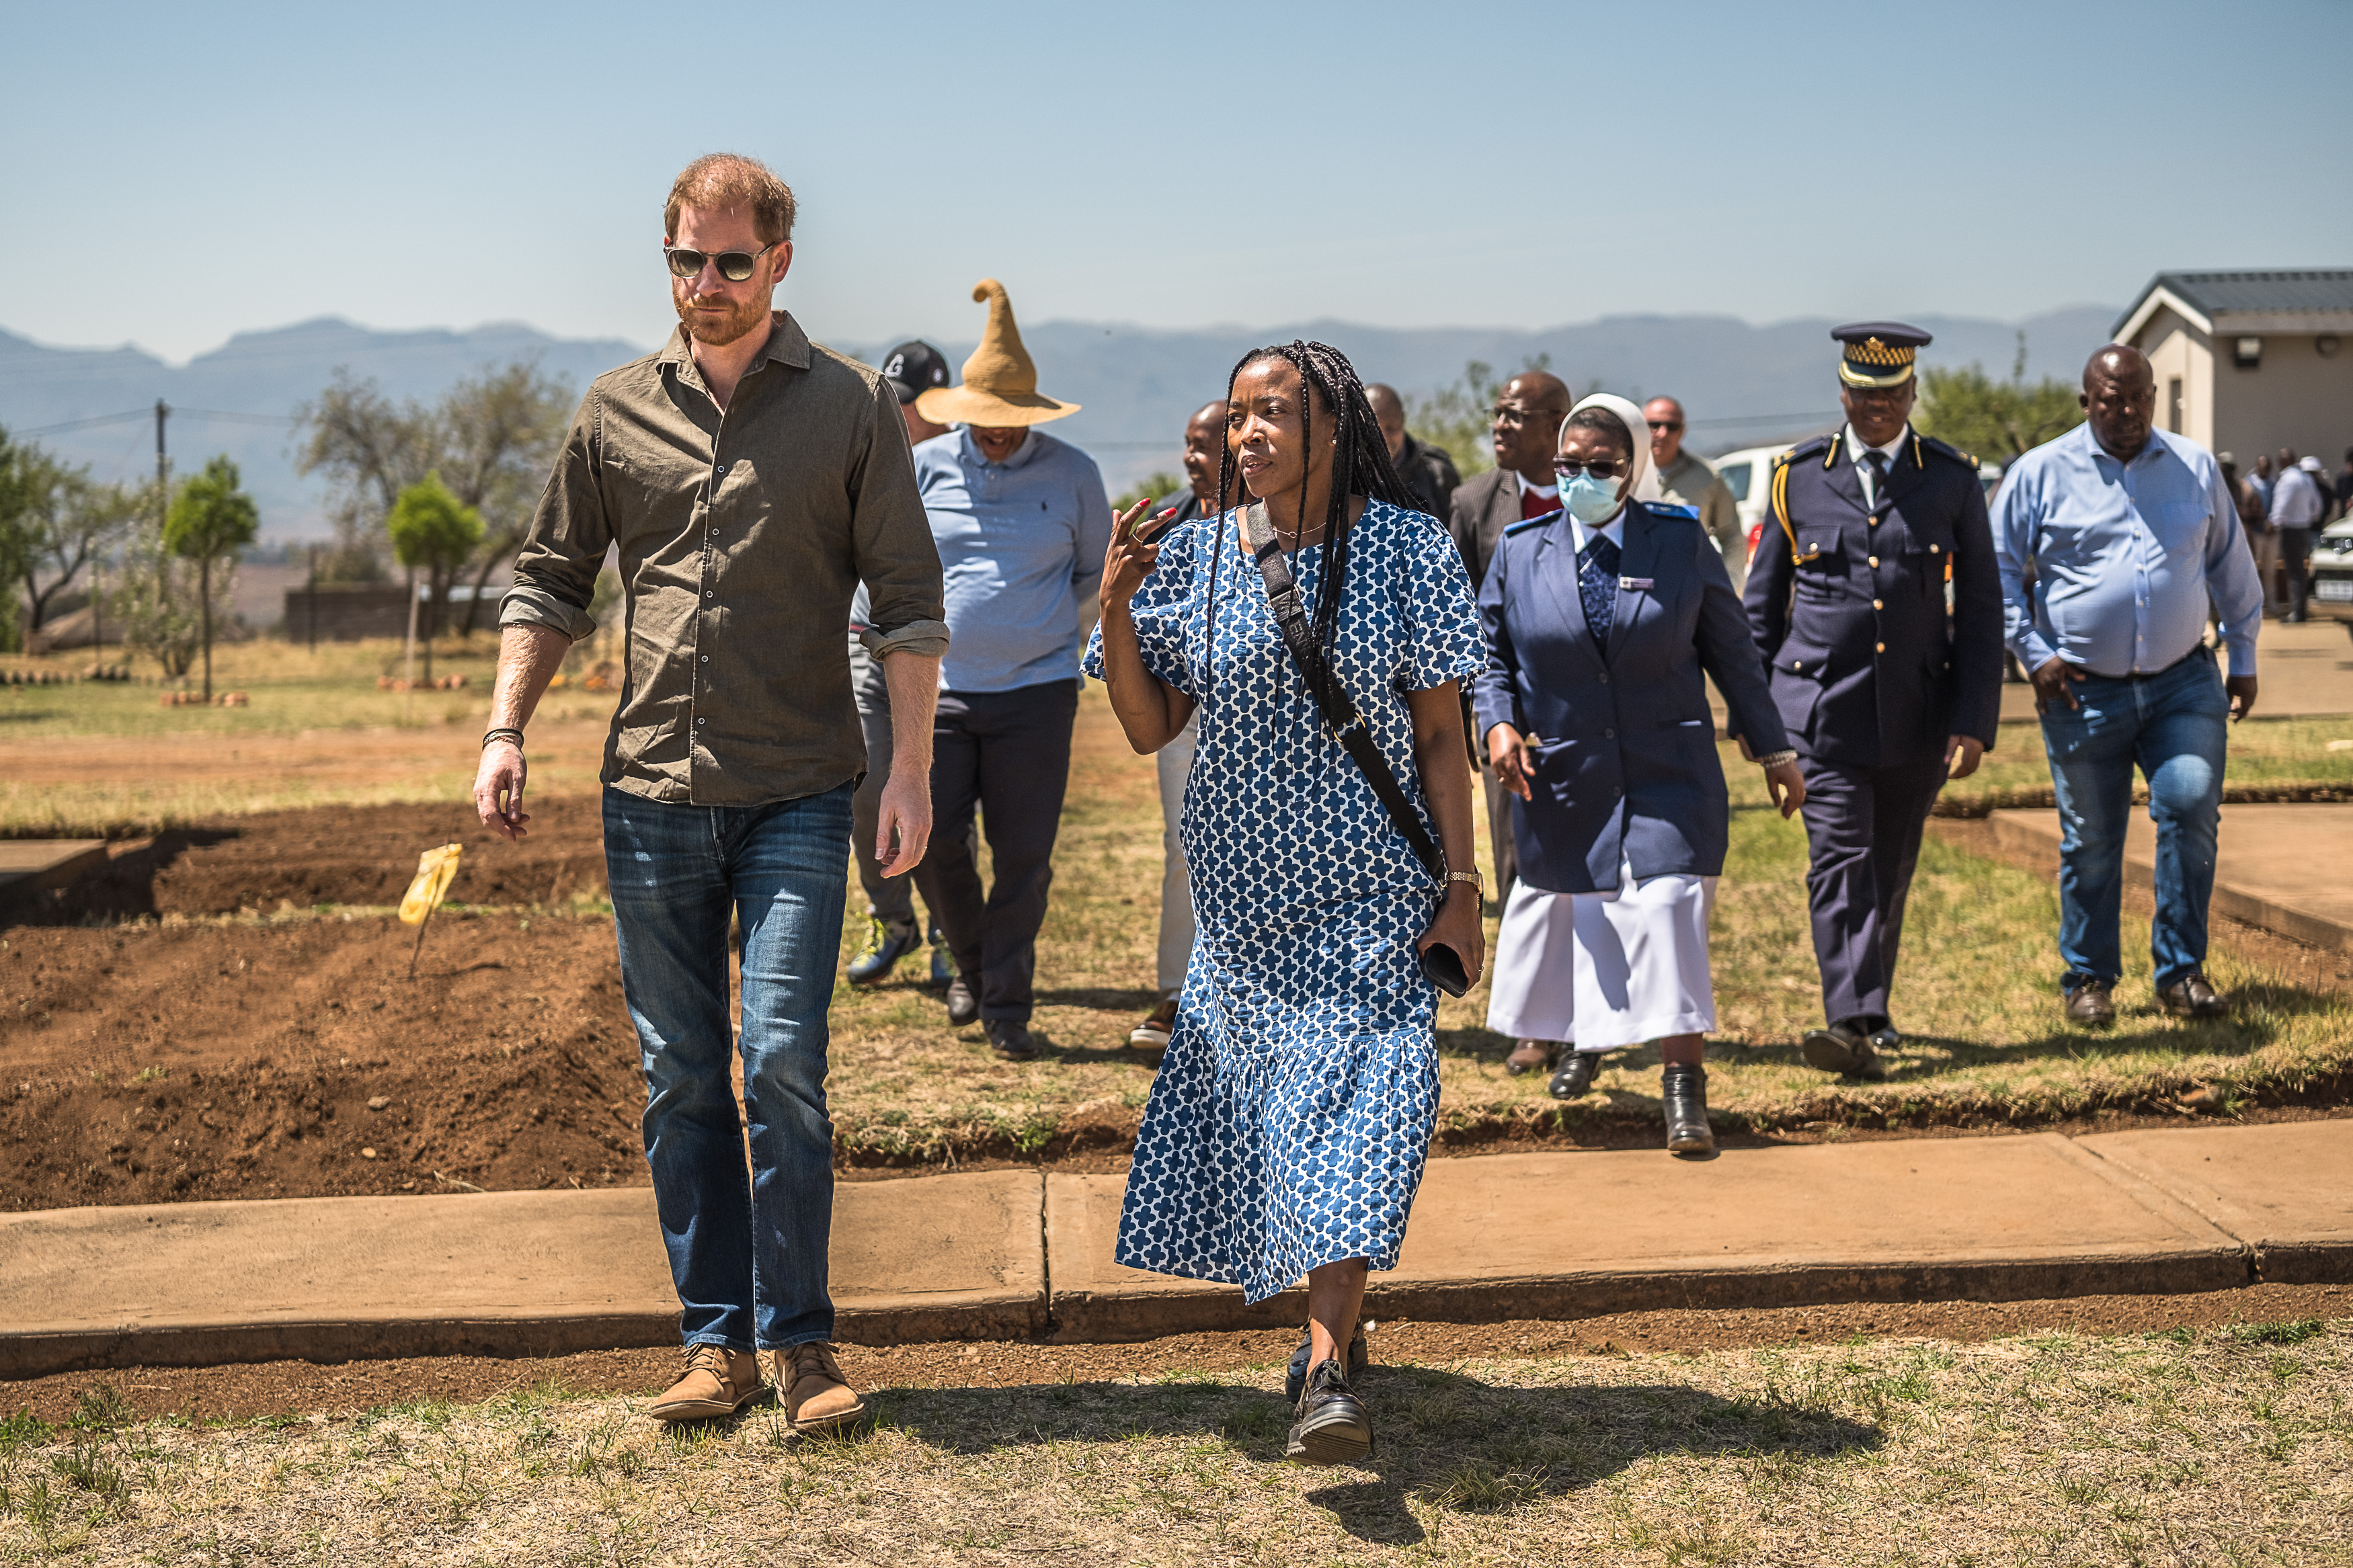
[436,869]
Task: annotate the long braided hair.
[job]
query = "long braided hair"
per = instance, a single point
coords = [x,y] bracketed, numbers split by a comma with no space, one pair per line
[1360,462]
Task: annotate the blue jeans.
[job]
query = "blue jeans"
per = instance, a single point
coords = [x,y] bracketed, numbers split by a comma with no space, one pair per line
[748,1258]
[2175,725]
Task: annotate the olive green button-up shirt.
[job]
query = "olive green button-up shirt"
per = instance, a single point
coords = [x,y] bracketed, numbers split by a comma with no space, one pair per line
[741,539]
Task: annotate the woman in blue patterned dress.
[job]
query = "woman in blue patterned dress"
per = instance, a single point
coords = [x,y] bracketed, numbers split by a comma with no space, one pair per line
[1292,1113]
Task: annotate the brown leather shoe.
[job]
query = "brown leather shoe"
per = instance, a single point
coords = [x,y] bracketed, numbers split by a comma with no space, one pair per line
[1527,1057]
[1843,1048]
[717,1382]
[2089,1004]
[2191,996]
[817,1397]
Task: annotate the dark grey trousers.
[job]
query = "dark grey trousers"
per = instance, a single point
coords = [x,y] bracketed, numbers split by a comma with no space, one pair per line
[1008,754]
[1862,829]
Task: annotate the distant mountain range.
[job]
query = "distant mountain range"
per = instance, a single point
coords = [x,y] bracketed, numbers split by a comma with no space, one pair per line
[1741,384]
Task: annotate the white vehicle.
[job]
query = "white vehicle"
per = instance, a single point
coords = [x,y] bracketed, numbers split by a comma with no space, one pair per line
[1749,475]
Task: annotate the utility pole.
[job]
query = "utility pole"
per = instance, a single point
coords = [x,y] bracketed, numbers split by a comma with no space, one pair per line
[163,493]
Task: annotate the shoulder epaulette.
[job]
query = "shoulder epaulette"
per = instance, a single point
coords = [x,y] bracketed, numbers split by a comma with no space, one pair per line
[1526,523]
[1812,449]
[1949,450]
[1669,509]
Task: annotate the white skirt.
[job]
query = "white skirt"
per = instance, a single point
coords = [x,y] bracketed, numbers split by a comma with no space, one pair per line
[1603,970]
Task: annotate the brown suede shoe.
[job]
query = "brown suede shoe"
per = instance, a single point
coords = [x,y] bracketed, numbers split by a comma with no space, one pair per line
[717,1382]
[1529,1056]
[2193,996]
[817,1397]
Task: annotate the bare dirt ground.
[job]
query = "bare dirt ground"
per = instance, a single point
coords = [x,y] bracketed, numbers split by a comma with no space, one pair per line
[272,861]
[293,1388]
[250,1059]
[214,1012]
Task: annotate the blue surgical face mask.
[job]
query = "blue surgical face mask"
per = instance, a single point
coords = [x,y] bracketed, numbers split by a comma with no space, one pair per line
[1589,499]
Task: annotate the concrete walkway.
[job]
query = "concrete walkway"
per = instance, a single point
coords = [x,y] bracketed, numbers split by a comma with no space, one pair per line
[2283,868]
[1017,1253]
[38,865]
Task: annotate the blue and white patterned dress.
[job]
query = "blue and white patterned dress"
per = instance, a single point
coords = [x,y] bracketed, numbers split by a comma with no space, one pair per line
[1294,1107]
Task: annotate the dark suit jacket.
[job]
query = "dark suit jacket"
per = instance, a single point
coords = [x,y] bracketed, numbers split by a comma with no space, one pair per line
[1486,504]
[1867,666]
[1624,747]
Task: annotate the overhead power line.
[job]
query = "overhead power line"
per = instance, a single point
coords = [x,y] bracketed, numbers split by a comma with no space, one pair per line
[93,419]
[149,413]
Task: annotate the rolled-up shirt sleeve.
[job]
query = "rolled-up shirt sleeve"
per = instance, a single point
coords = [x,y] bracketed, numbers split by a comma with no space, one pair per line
[564,548]
[906,609]
[2015,523]
[2231,581]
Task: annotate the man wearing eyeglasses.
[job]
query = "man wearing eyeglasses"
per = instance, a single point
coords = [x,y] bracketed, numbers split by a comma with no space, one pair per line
[1680,477]
[749,483]
[1526,422]
[1884,691]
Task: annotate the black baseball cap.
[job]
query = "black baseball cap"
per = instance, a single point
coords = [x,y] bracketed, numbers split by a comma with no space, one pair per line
[913,368]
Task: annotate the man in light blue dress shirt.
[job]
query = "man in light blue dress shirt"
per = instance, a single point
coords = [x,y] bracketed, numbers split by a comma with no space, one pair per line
[2133,536]
[1022,523]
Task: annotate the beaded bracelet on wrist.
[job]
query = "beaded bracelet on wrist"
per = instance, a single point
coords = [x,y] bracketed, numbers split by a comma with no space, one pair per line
[502,733]
[1775,759]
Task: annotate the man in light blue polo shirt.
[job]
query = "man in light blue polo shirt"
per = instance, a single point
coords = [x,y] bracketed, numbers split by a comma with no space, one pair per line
[1022,523]
[2133,535]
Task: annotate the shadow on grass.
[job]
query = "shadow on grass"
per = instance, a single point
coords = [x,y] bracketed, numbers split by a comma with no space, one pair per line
[1442,1439]
[1138,1000]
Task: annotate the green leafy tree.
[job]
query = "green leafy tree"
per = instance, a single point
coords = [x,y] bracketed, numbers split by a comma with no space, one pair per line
[492,437]
[72,523]
[1996,421]
[16,503]
[432,529]
[154,598]
[211,519]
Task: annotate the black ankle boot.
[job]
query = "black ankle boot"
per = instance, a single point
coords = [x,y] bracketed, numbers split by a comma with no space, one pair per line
[1685,1094]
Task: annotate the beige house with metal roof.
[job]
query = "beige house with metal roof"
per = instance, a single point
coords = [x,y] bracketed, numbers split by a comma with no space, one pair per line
[2251,362]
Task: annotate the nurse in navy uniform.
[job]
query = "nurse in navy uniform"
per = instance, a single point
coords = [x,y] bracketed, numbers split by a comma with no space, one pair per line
[1877,610]
[1599,620]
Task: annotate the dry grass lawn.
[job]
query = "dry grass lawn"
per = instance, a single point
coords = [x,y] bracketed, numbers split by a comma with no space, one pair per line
[2229,1445]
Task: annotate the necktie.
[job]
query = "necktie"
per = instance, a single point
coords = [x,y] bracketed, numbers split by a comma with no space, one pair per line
[1878,461]
[1597,587]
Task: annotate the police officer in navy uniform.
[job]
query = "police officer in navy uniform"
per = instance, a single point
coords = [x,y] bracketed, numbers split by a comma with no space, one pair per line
[1874,603]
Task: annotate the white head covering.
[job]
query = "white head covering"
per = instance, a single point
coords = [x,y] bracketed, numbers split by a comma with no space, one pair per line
[2309,464]
[1638,430]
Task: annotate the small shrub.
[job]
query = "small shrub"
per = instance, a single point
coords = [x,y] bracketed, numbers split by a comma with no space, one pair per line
[101,1407]
[22,1430]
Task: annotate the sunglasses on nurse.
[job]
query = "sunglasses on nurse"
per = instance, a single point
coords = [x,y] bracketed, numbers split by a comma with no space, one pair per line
[735,266]
[1599,467]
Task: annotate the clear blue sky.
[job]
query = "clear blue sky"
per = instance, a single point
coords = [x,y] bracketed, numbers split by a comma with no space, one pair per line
[173,174]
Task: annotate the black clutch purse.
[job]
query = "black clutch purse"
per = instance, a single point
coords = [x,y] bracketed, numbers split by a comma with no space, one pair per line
[1443,965]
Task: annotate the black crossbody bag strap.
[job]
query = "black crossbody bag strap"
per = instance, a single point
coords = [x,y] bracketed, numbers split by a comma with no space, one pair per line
[1331,698]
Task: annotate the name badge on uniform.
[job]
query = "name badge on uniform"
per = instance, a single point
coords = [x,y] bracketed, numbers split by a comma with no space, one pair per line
[1634,585]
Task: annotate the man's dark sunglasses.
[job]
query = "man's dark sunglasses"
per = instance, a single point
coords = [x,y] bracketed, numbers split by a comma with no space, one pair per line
[1666,423]
[1601,467]
[733,265]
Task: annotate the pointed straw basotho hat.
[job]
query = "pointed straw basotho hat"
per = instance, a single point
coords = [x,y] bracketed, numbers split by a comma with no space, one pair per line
[1000,383]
